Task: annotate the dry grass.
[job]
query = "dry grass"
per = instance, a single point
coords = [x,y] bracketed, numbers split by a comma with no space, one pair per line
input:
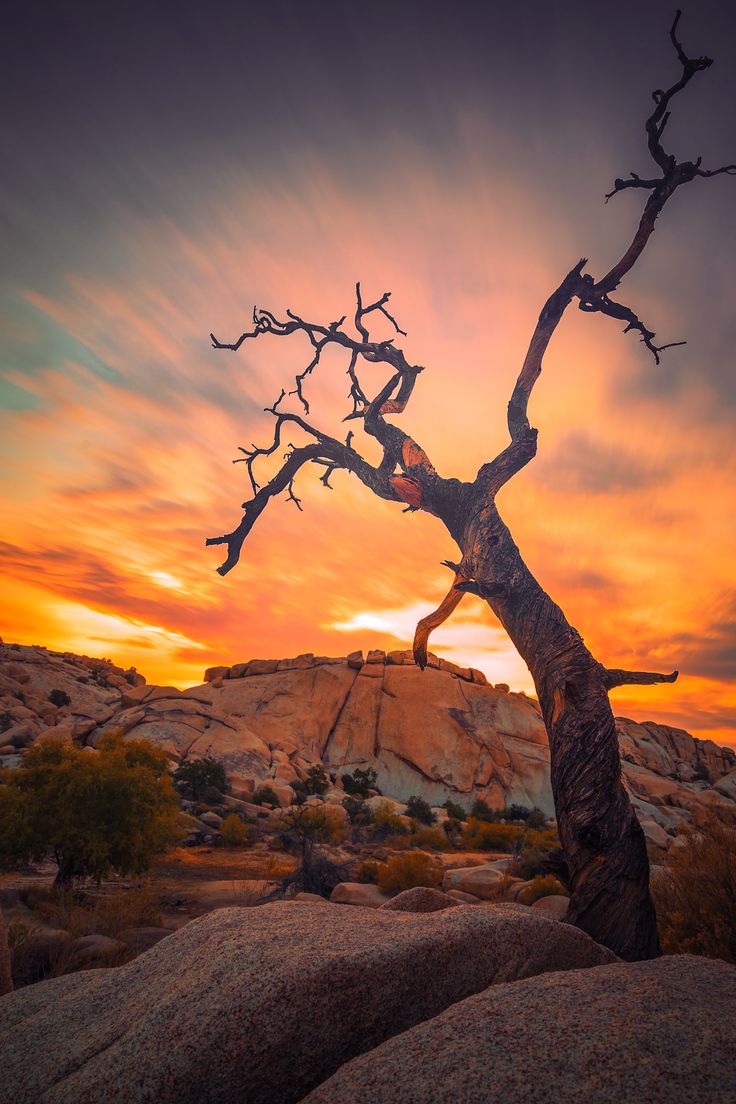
[695,893]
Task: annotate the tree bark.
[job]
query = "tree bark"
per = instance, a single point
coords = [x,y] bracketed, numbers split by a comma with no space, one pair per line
[603,841]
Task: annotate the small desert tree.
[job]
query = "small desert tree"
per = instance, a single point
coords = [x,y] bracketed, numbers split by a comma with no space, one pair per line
[602,839]
[91,812]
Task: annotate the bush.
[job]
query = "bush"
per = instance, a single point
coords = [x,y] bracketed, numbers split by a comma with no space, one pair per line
[516,812]
[233,832]
[542,886]
[265,795]
[536,819]
[360,782]
[536,849]
[419,809]
[454,811]
[695,893]
[91,812]
[386,822]
[368,871]
[358,811]
[434,839]
[59,698]
[314,785]
[480,835]
[481,810]
[201,779]
[409,870]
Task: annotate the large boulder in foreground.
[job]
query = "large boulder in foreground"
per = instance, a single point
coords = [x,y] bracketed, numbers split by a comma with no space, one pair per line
[644,1032]
[260,1005]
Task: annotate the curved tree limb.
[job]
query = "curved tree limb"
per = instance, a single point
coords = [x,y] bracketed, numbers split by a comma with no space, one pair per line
[433,620]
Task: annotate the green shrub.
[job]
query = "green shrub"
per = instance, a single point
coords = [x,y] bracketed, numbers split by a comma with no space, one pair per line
[480,835]
[419,809]
[360,782]
[59,698]
[233,832]
[265,795]
[454,811]
[201,779]
[314,785]
[360,814]
[481,810]
[91,812]
[544,885]
[536,819]
[409,870]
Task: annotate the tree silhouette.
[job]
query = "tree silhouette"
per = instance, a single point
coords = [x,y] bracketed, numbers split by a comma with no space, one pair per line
[603,842]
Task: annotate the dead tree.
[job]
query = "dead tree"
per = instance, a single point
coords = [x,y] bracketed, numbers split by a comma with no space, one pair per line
[603,842]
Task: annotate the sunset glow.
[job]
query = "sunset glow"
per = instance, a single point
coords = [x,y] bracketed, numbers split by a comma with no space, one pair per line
[120,421]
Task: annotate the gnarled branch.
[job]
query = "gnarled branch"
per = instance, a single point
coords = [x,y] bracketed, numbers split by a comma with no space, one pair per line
[614,677]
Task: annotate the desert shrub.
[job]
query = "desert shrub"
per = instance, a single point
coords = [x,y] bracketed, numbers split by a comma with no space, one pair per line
[265,795]
[537,846]
[536,819]
[304,829]
[314,785]
[386,822]
[233,832]
[90,812]
[360,782]
[368,871]
[360,814]
[201,779]
[481,810]
[59,698]
[320,876]
[544,885]
[409,870]
[454,811]
[516,812]
[419,809]
[695,893]
[480,835]
[434,839]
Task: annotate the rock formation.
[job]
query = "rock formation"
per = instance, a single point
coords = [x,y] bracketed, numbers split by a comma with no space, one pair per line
[649,1031]
[441,733]
[262,1004]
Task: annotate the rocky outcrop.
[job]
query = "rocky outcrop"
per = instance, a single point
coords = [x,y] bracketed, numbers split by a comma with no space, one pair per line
[262,1004]
[649,1031]
[444,732]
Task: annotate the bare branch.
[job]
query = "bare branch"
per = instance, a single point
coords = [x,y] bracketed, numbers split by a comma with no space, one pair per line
[614,677]
[633,181]
[607,306]
[433,620]
[523,445]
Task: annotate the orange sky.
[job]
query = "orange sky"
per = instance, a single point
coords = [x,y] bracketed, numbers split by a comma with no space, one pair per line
[116,458]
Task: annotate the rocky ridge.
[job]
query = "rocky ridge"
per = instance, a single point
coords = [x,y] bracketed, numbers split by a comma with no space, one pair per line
[445,732]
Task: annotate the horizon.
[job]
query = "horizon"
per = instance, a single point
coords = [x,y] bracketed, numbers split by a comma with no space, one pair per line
[186,181]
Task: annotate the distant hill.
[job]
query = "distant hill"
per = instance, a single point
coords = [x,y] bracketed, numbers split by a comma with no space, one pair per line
[443,732]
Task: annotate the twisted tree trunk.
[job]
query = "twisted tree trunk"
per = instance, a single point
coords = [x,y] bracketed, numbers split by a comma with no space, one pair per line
[602,839]
[603,842]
